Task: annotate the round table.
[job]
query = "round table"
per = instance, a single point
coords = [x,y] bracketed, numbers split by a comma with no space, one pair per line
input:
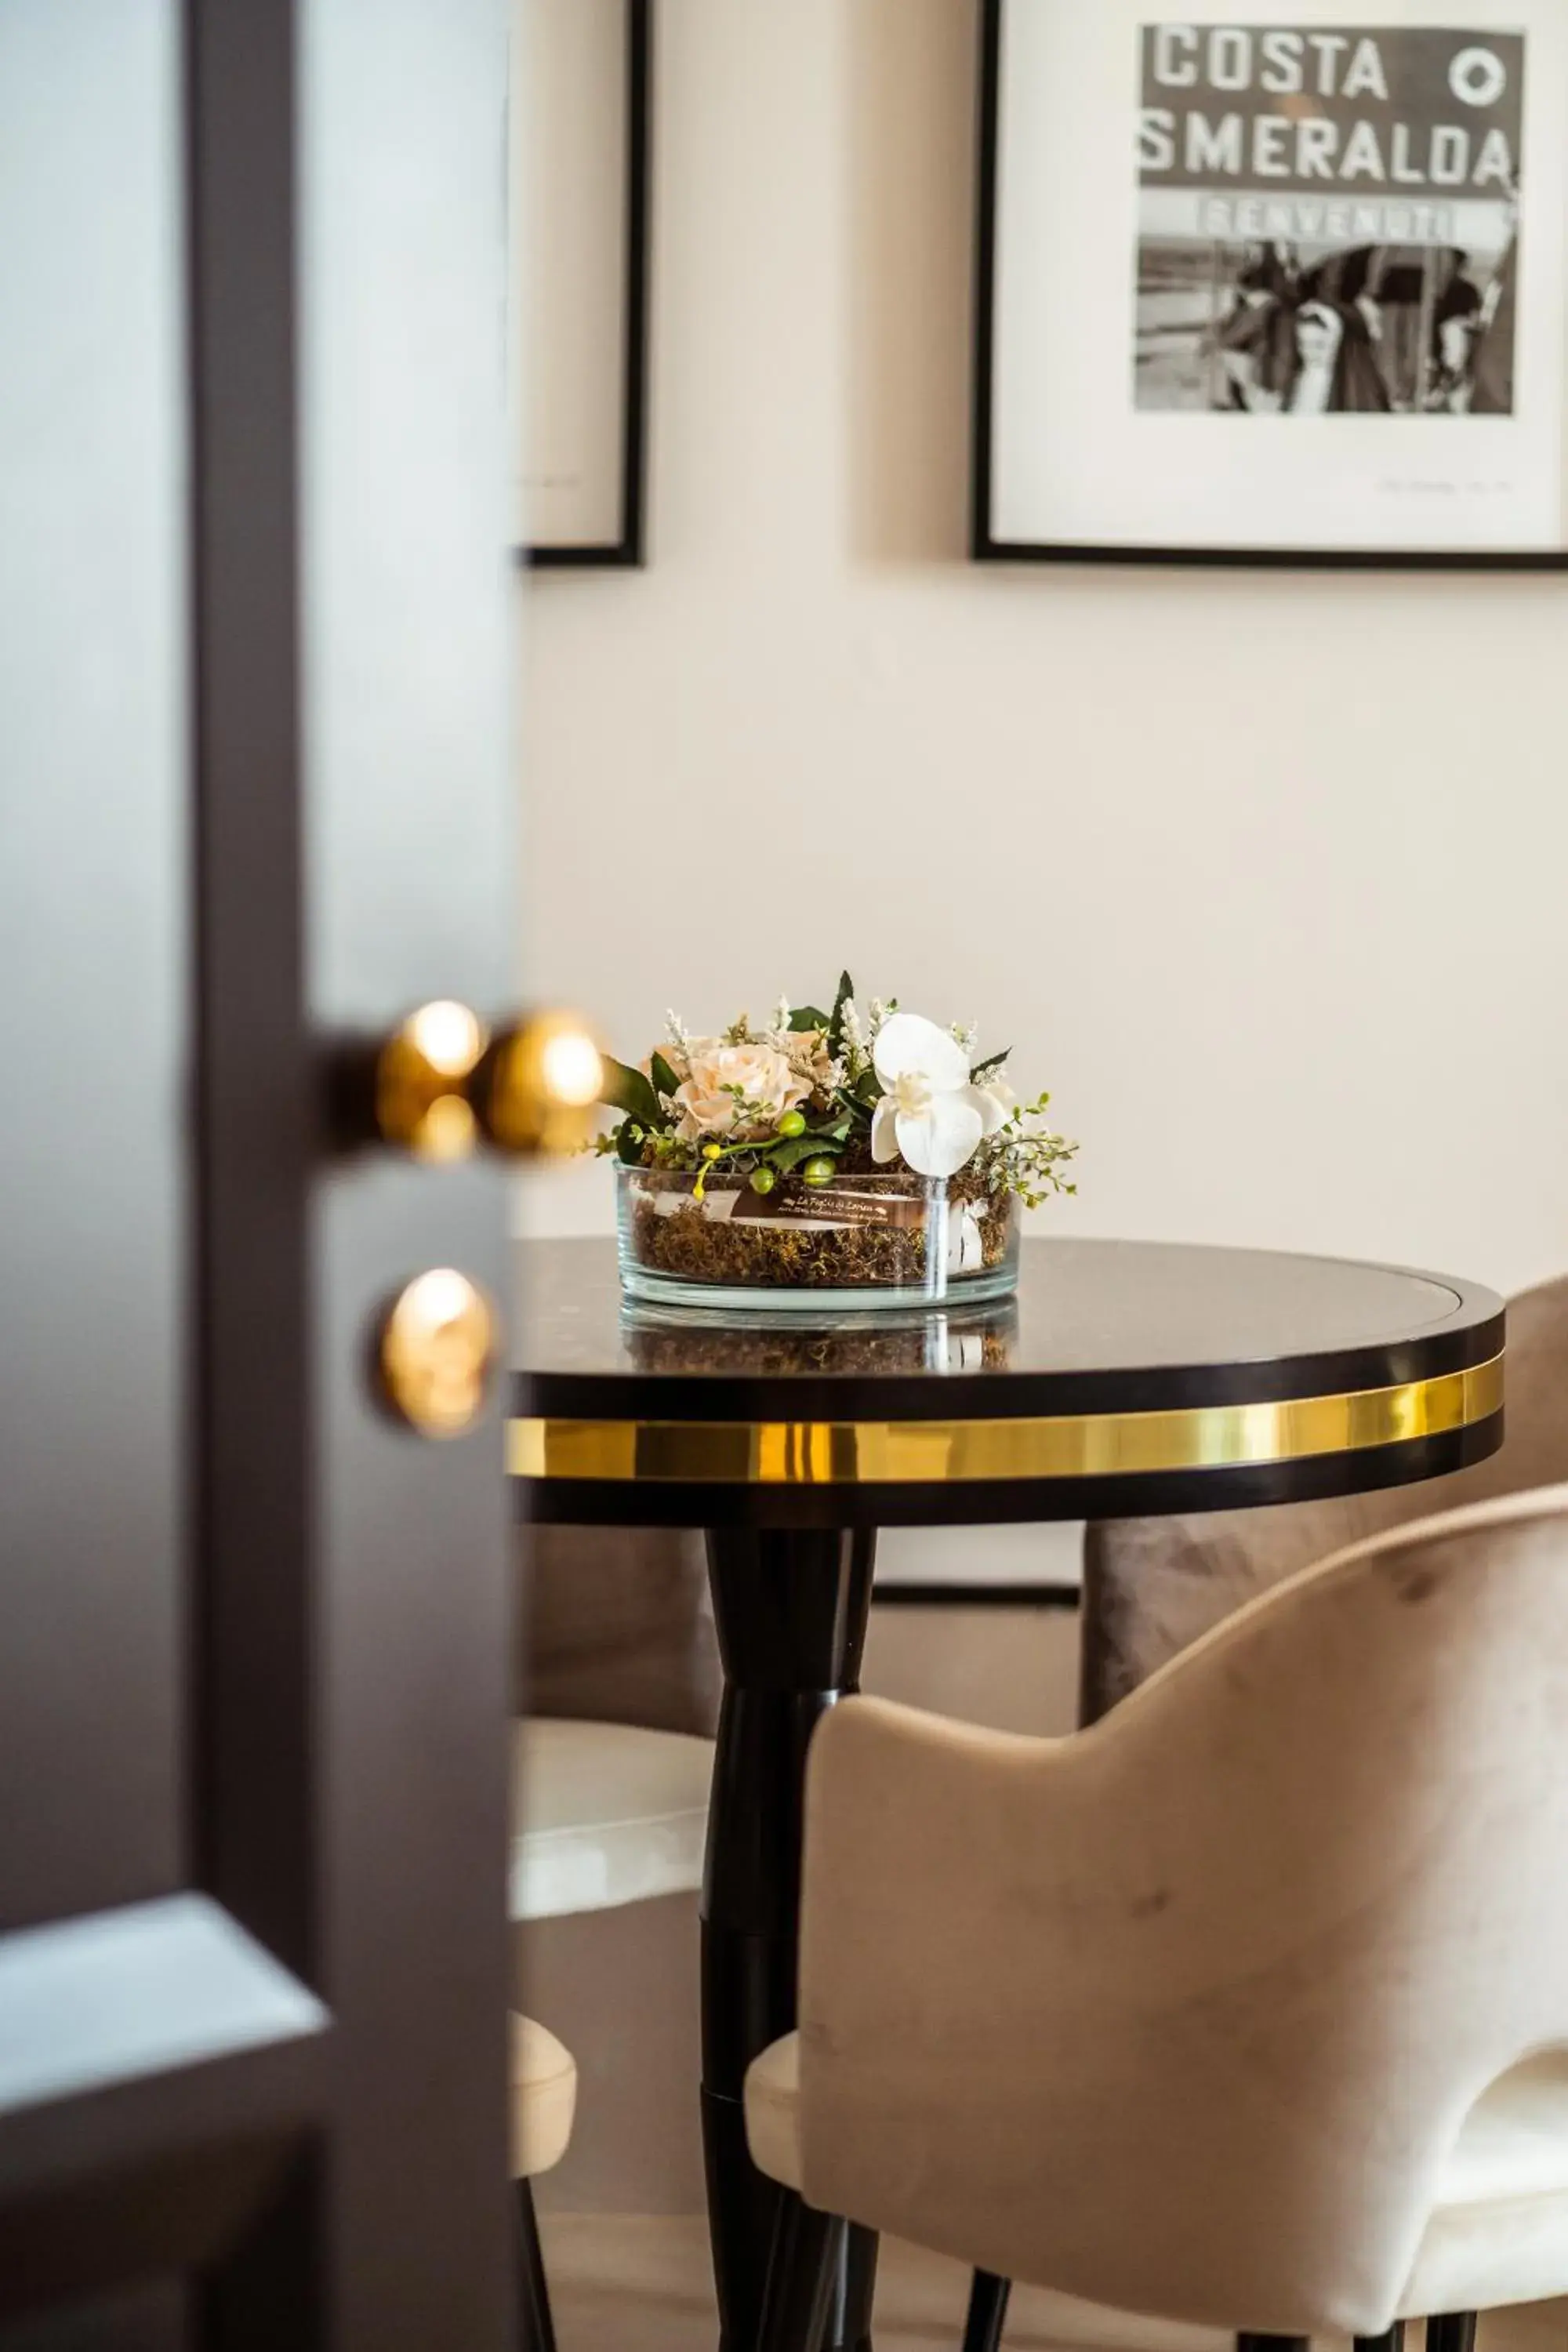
[1126,1379]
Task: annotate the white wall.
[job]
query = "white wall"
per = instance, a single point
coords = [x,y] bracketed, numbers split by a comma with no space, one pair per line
[1263,875]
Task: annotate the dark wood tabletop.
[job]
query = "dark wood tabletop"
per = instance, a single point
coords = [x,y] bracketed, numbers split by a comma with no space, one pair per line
[1126,1377]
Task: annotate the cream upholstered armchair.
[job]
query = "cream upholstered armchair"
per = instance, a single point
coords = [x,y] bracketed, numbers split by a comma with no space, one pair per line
[1153,1586]
[1245,2006]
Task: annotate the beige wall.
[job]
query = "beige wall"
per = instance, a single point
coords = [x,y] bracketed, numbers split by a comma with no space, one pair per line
[1263,874]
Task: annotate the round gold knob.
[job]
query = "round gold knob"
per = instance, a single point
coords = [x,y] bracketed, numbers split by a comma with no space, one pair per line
[443,1083]
[537,1086]
[422,1076]
[436,1349]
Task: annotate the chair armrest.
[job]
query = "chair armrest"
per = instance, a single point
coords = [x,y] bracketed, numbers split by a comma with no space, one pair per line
[997,1942]
[941,1862]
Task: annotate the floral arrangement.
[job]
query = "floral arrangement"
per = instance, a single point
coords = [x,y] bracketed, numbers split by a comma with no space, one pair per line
[814,1095]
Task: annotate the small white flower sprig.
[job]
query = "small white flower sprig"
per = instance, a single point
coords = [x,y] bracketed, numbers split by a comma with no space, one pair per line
[816,1095]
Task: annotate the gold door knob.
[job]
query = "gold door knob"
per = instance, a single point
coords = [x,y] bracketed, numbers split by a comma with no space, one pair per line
[442,1083]
[436,1348]
[538,1085]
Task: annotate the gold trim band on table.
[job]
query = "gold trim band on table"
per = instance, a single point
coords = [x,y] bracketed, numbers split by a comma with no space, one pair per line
[934,1452]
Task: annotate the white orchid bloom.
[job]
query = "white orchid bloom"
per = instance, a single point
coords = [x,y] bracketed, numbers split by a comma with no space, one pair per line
[930,1113]
[997,1101]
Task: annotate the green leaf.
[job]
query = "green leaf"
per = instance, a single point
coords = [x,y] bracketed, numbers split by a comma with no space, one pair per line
[836,1026]
[664,1077]
[807,1016]
[627,1089]
[991,1062]
[628,1142]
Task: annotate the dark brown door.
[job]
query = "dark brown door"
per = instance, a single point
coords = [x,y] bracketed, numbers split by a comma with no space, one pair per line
[253,1636]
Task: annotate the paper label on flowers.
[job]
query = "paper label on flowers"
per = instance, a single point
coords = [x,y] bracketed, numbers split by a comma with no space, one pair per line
[841,1208]
[838,1205]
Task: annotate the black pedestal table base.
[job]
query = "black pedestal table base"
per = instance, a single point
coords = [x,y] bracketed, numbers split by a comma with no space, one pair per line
[790,1607]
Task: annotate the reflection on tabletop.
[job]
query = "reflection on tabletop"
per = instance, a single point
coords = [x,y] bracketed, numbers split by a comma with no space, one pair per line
[676,1339]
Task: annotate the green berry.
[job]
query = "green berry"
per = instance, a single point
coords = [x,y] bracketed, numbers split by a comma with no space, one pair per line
[764,1179]
[791,1123]
[713,1151]
[820,1171]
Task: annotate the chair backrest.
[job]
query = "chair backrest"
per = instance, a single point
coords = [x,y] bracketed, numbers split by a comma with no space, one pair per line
[1161,1583]
[1186,2011]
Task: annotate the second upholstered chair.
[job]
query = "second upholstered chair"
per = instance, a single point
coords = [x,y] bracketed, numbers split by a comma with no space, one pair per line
[602,1814]
[1244,2006]
[1153,1585]
[544,2102]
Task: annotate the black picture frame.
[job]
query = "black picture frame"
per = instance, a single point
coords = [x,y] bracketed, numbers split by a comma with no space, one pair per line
[628,550]
[986,547]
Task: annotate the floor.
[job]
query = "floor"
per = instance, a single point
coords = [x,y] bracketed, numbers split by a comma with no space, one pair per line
[634,2285]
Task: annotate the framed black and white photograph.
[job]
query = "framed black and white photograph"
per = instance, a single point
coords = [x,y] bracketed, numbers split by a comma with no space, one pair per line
[1283,289]
[581,161]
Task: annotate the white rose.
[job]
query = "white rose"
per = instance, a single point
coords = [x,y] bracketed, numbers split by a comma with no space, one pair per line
[709,1103]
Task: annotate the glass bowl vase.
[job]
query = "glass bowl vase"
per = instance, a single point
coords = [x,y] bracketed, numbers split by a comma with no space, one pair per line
[876,1242]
